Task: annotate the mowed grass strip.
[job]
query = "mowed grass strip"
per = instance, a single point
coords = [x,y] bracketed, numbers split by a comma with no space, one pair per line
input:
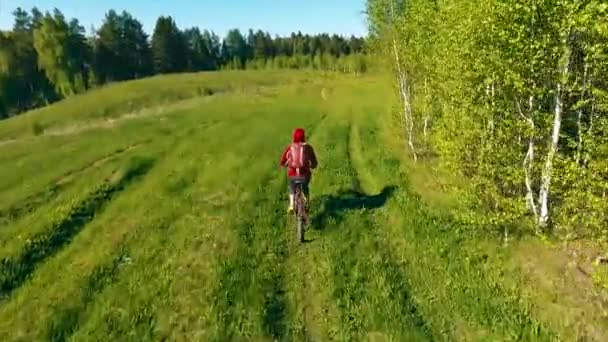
[29,204]
[44,178]
[62,229]
[15,234]
[134,304]
[76,176]
[52,181]
[156,244]
[52,303]
[42,172]
[30,215]
[74,288]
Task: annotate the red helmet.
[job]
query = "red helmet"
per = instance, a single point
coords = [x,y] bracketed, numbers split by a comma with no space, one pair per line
[299,135]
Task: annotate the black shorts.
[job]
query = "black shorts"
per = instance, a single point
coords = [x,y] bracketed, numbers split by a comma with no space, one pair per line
[299,180]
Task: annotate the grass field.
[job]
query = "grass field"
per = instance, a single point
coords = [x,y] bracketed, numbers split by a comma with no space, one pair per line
[155,210]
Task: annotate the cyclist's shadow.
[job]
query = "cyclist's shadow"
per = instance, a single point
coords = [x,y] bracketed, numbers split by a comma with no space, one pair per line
[334,207]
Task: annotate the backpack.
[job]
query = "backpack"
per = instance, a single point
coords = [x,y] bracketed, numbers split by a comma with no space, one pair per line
[297,156]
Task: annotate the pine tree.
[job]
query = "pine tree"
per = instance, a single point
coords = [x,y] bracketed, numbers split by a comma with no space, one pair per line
[169,47]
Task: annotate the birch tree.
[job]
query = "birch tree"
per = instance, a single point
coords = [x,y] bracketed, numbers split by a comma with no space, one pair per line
[517,90]
[386,25]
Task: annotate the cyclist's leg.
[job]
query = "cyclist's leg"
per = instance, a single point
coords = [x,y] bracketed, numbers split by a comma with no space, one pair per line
[292,191]
[303,182]
[306,190]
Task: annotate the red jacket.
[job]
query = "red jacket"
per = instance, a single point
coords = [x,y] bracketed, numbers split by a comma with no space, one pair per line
[299,137]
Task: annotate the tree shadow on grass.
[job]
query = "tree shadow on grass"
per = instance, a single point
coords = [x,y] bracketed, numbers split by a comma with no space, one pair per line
[335,207]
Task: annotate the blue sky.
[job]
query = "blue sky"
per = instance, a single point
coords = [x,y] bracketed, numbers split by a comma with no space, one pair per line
[276,16]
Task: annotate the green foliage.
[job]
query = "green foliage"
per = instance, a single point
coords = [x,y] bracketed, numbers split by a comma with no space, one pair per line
[61,53]
[351,64]
[121,49]
[489,76]
[22,84]
[169,47]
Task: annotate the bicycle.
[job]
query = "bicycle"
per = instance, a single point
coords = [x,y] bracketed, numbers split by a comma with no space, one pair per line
[300,211]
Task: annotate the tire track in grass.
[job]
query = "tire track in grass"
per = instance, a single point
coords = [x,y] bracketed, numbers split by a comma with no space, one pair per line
[276,307]
[308,276]
[391,311]
[373,299]
[251,296]
[312,294]
[313,314]
[333,167]
[450,282]
[380,221]
[15,270]
[348,279]
[65,320]
[373,295]
[254,278]
[33,202]
[58,299]
[15,236]
[130,312]
[397,284]
[275,304]
[159,306]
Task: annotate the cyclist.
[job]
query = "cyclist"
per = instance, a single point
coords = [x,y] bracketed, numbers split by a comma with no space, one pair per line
[299,158]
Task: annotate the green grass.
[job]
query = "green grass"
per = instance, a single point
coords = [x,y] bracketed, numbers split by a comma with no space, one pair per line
[170,224]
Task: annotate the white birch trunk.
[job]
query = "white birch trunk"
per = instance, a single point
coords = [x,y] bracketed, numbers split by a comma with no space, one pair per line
[519,137]
[404,89]
[543,196]
[528,162]
[426,109]
[529,158]
[402,94]
[410,136]
[548,168]
[492,92]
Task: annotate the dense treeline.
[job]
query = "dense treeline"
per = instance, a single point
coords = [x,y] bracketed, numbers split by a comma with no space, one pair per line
[46,57]
[513,94]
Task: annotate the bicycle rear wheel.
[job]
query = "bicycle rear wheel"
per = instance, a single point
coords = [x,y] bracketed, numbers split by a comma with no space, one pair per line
[300,229]
[300,212]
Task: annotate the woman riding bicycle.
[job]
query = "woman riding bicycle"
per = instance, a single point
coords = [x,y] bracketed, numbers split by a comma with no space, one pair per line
[299,158]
